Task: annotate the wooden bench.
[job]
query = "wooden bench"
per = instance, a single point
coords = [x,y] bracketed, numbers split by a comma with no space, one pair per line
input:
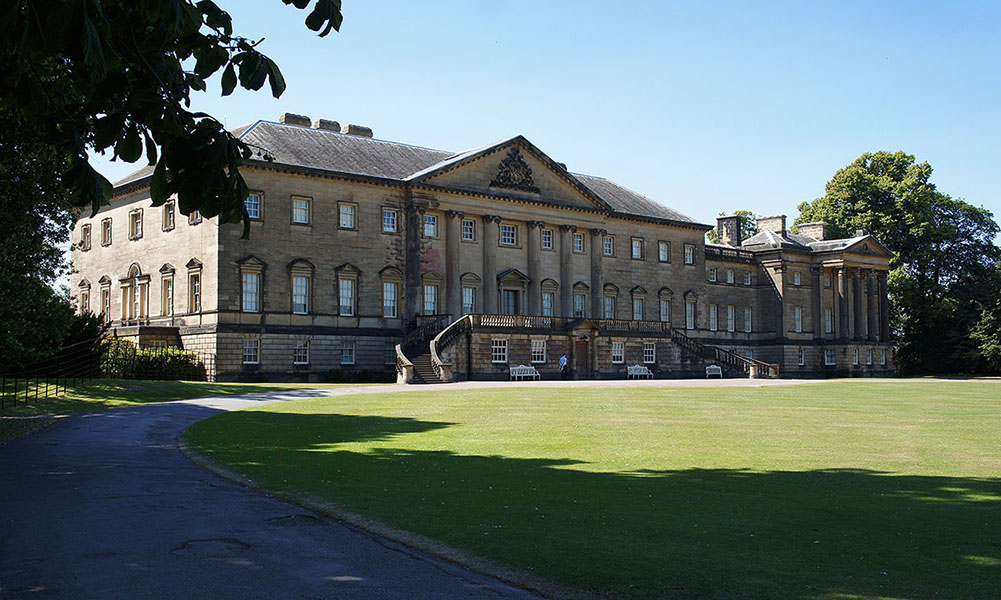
[637,371]
[714,370]
[523,371]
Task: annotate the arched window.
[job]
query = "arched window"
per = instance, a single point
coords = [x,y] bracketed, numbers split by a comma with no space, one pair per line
[470,293]
[549,291]
[638,296]
[665,295]
[300,273]
[348,277]
[392,285]
[135,294]
[610,300]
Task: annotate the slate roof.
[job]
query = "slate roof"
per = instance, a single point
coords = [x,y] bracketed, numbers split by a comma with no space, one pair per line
[765,240]
[308,147]
[626,201]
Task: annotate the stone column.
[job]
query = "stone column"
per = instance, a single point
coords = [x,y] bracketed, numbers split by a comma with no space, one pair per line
[859,314]
[873,325]
[453,289]
[566,269]
[884,308]
[597,276]
[842,298]
[491,223]
[815,304]
[534,267]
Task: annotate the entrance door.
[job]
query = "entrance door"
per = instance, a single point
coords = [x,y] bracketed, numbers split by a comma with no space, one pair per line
[581,360]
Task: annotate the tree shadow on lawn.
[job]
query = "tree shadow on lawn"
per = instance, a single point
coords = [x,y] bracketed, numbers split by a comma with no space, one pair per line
[704,533]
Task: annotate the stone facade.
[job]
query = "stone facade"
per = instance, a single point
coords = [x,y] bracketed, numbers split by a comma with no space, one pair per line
[353,240]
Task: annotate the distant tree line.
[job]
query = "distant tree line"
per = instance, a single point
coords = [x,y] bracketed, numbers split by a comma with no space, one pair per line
[945,277]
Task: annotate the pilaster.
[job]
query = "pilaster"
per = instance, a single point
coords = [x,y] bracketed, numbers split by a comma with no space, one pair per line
[453,291]
[566,269]
[490,233]
[534,267]
[597,275]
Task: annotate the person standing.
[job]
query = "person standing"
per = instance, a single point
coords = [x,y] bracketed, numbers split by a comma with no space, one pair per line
[563,366]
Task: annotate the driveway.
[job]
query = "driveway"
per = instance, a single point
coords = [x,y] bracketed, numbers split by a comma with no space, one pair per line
[104,505]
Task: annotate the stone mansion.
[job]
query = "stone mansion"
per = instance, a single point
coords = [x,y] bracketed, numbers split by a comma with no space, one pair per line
[367,254]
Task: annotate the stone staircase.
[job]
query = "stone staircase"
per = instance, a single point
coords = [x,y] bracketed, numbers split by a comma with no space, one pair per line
[423,371]
[733,365]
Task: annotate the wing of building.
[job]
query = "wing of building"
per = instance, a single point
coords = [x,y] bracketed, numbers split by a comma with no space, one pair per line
[367,254]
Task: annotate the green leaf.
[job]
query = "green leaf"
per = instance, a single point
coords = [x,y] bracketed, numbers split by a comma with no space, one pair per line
[87,186]
[90,41]
[158,185]
[129,148]
[107,129]
[275,78]
[325,12]
[196,82]
[228,80]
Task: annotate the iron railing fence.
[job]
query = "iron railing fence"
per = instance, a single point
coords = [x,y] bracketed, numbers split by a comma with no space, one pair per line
[97,358]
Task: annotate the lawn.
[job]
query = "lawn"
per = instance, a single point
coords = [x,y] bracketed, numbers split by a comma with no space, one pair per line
[101,394]
[835,490]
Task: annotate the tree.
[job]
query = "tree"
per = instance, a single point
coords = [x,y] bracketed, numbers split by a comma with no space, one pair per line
[987,335]
[943,273]
[34,225]
[118,74]
[748,225]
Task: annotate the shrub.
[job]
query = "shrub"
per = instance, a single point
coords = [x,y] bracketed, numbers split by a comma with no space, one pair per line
[122,360]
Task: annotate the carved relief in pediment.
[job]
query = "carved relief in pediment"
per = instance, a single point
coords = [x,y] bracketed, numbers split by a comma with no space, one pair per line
[514,173]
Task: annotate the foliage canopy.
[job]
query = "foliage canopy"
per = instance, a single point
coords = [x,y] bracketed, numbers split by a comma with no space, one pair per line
[118,74]
[944,273]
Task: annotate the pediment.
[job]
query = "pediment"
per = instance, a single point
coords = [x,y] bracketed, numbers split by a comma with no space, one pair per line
[869,246]
[513,168]
[512,275]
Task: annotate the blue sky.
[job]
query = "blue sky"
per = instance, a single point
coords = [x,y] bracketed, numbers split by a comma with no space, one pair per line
[702,106]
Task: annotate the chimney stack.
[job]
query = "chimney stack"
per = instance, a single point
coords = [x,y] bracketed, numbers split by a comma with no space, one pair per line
[294,119]
[359,130]
[728,230]
[776,224]
[817,230]
[327,125]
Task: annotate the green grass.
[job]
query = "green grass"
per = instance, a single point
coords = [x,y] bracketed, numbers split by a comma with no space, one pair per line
[850,489]
[102,394]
